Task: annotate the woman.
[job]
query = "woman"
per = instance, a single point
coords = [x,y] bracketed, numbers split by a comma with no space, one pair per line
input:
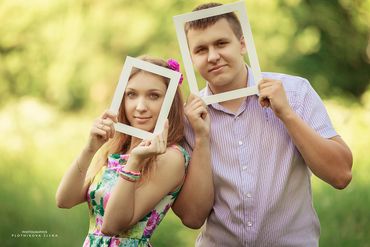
[130,193]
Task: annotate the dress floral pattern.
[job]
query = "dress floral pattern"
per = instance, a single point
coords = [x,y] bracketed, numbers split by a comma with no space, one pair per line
[98,196]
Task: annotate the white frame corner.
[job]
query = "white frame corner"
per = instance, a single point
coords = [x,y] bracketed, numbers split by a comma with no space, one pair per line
[180,20]
[174,77]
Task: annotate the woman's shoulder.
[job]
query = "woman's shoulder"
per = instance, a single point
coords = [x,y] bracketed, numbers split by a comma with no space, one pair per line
[175,158]
[180,151]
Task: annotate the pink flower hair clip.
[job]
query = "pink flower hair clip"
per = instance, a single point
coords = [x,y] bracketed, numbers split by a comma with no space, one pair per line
[174,65]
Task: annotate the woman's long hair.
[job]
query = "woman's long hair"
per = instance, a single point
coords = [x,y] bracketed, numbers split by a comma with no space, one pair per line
[120,143]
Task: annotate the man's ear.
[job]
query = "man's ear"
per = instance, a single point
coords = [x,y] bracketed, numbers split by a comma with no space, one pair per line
[243,46]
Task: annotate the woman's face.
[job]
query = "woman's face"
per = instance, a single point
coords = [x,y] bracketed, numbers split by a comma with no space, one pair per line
[143,100]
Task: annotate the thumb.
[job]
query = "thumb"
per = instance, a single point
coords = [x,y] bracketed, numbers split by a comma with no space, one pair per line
[165,130]
[190,98]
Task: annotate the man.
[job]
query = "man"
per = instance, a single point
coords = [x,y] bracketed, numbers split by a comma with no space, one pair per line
[262,148]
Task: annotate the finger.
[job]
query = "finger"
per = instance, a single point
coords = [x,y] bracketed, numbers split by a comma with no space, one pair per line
[113,132]
[107,121]
[196,103]
[109,114]
[264,100]
[110,124]
[267,85]
[203,113]
[109,129]
[190,98]
[144,143]
[160,144]
[196,100]
[99,132]
[165,131]
[200,110]
[154,144]
[190,110]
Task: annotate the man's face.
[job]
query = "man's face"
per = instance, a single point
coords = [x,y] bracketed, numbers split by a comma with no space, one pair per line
[217,54]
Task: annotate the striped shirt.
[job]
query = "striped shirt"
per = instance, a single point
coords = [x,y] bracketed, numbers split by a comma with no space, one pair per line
[262,184]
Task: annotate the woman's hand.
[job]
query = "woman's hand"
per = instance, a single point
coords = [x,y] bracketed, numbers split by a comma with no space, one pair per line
[102,130]
[149,148]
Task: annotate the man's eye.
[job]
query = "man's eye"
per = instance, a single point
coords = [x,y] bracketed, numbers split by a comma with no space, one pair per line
[222,43]
[200,50]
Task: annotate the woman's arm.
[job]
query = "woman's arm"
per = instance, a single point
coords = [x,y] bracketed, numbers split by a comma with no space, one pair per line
[73,187]
[129,202]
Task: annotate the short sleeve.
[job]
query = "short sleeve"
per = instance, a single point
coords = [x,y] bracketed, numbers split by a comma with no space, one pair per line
[314,113]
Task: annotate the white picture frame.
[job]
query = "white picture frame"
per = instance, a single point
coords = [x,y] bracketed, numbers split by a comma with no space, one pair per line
[174,77]
[180,21]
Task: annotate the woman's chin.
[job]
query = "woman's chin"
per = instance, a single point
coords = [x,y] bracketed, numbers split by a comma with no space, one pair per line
[144,127]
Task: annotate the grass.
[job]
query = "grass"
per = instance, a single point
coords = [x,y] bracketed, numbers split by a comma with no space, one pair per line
[36,151]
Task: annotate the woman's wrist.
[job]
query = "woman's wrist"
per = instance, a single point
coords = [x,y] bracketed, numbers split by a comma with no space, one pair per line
[134,163]
[88,150]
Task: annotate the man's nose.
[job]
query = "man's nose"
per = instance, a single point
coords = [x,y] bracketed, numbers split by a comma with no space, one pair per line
[213,55]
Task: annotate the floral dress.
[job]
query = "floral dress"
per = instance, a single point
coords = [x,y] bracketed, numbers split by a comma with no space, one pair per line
[98,196]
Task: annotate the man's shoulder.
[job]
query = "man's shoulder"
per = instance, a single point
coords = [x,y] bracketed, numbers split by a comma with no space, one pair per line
[290,82]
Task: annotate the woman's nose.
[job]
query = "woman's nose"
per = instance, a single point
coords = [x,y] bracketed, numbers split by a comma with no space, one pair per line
[141,105]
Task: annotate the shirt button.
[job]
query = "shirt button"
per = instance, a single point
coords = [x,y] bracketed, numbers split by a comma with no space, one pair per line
[249,195]
[249,224]
[240,143]
[244,167]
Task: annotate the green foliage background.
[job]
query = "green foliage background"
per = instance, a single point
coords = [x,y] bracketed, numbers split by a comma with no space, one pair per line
[59,64]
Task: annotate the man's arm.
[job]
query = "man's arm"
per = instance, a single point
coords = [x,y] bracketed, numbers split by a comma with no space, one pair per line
[195,200]
[329,159]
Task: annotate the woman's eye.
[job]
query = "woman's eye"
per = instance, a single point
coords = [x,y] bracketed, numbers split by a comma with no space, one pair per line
[154,96]
[130,94]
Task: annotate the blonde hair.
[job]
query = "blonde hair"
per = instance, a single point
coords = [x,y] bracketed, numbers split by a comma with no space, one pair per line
[120,143]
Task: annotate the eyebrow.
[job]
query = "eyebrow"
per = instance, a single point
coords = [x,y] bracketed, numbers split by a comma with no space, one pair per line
[150,90]
[214,42]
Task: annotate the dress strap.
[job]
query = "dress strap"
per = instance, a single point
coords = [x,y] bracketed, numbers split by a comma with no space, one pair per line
[183,152]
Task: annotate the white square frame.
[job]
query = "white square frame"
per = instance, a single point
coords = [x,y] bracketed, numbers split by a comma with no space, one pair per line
[180,20]
[174,77]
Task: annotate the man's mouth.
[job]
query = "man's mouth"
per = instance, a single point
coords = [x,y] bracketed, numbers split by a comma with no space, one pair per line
[216,68]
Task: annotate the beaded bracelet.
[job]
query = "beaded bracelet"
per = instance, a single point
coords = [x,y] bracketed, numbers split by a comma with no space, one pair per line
[130,176]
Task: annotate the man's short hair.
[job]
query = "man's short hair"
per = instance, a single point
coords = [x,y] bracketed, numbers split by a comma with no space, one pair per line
[202,24]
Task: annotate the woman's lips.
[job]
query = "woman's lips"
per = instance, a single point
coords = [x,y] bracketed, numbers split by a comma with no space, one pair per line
[142,120]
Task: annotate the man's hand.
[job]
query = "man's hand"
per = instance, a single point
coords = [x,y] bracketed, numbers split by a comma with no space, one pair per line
[272,94]
[197,114]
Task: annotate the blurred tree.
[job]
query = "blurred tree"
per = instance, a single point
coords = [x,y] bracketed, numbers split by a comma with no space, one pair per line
[70,53]
[331,44]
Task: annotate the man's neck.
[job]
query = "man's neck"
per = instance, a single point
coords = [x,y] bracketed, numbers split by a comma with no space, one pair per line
[241,82]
